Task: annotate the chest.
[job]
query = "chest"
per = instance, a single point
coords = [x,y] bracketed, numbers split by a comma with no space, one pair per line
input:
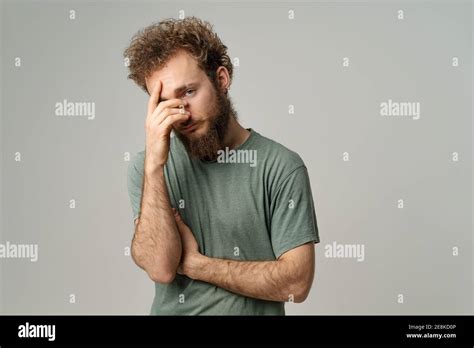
[227,210]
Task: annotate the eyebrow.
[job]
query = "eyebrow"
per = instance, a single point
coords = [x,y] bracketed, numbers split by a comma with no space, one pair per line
[181,88]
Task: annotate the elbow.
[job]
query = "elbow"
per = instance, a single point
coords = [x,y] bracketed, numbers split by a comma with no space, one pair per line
[162,277]
[299,291]
[301,296]
[157,274]
[303,286]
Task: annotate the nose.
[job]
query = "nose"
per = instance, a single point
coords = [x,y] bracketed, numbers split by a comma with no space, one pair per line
[186,122]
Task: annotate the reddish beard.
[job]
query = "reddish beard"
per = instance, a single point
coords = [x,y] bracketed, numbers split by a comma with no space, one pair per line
[206,146]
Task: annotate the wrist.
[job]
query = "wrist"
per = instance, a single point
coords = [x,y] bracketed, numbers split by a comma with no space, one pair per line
[152,168]
[199,263]
[153,160]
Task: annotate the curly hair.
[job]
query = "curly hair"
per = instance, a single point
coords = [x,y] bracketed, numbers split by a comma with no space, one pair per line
[152,47]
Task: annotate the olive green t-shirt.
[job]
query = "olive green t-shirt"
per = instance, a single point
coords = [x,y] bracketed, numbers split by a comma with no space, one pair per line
[252,204]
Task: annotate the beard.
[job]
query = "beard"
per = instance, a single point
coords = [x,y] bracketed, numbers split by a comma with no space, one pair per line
[206,146]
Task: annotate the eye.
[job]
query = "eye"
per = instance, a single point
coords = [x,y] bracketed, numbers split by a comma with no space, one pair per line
[189,90]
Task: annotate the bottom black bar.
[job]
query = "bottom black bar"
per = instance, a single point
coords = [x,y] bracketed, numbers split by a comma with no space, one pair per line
[291,330]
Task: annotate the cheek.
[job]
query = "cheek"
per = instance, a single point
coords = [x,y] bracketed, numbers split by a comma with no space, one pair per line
[201,105]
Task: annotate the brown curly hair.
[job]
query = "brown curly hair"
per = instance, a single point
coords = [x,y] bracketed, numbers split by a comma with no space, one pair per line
[152,47]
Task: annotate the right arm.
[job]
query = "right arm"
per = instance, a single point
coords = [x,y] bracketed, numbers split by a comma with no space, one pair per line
[156,244]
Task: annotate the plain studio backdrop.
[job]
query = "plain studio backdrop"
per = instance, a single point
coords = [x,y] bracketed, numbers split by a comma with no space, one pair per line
[310,75]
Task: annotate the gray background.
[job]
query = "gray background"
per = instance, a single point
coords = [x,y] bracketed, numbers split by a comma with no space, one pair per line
[407,251]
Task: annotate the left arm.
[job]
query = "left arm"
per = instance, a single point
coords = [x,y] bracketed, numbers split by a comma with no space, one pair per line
[287,279]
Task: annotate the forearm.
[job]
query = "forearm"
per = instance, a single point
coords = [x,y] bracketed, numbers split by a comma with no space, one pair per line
[266,280]
[156,245]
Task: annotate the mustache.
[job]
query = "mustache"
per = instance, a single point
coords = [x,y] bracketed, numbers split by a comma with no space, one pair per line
[186,123]
[180,126]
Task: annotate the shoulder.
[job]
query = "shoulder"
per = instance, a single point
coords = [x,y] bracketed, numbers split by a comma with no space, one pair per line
[136,164]
[278,155]
[138,159]
[278,162]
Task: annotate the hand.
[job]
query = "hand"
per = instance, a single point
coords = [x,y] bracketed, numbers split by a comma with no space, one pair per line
[159,122]
[190,256]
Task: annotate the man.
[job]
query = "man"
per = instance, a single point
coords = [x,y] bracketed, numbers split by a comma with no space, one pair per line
[225,221]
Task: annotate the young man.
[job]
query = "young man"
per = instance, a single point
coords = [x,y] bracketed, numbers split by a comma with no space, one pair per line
[225,221]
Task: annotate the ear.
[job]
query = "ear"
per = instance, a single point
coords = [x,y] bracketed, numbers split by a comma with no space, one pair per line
[223,78]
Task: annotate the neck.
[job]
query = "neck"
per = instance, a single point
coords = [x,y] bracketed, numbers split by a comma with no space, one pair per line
[236,134]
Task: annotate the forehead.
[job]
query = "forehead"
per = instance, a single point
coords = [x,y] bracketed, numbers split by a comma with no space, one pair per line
[179,70]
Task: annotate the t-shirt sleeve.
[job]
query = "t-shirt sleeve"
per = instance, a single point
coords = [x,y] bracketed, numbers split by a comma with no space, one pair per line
[135,183]
[293,221]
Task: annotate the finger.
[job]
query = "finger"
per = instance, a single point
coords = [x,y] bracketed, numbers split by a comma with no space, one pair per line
[154,97]
[177,217]
[176,214]
[172,103]
[171,111]
[172,119]
[167,123]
